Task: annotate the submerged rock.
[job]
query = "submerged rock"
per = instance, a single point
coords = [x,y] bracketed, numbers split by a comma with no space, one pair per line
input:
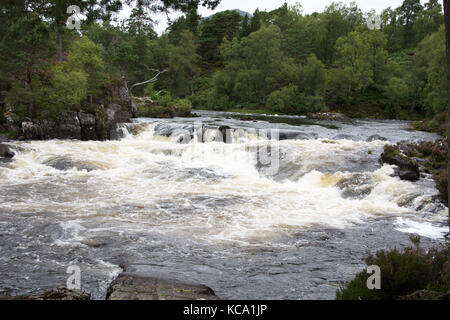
[329,116]
[64,164]
[134,287]
[61,293]
[375,138]
[358,186]
[5,152]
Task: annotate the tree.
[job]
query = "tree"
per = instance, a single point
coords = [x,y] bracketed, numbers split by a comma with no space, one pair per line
[409,11]
[392,27]
[85,56]
[298,40]
[183,64]
[397,92]
[354,65]
[212,32]
[429,20]
[430,69]
[336,21]
[26,49]
[447,41]
[313,77]
[56,12]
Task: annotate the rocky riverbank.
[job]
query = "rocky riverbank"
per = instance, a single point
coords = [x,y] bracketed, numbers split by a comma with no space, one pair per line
[130,286]
[94,122]
[415,159]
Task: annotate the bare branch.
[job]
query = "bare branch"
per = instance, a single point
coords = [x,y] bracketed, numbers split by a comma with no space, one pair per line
[154,79]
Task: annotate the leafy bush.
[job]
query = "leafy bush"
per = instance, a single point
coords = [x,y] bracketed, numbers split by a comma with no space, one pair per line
[314,104]
[183,107]
[153,111]
[199,101]
[402,273]
[283,100]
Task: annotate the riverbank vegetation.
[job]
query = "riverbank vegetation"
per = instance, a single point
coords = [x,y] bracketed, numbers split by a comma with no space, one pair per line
[282,61]
[411,274]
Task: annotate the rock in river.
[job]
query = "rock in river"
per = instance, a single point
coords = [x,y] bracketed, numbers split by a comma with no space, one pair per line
[134,287]
[61,293]
[5,152]
[408,169]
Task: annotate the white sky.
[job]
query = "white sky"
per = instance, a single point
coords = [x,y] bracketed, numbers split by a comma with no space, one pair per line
[309,6]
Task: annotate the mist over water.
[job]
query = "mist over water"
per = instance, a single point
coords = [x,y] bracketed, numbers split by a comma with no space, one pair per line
[211,212]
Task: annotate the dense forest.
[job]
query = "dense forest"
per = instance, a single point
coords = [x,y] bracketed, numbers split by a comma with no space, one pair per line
[390,65]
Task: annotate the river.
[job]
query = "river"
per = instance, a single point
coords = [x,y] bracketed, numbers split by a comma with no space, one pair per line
[210,212]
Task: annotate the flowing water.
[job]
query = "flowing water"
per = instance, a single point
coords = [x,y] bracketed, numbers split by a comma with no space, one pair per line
[168,204]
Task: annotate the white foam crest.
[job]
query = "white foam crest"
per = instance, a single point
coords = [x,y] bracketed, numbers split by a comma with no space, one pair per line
[422,228]
[151,183]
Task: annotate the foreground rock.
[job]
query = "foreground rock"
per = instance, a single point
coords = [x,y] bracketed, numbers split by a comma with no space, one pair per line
[408,169]
[61,293]
[134,287]
[5,152]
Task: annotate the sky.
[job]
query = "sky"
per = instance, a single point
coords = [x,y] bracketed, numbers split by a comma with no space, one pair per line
[309,6]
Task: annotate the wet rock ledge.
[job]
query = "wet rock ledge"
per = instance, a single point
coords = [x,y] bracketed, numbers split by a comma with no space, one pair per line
[135,287]
[130,287]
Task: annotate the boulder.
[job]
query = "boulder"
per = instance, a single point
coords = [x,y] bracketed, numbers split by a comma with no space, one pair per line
[31,131]
[343,137]
[64,164]
[291,135]
[114,116]
[61,293]
[5,152]
[408,169]
[375,138]
[68,127]
[134,287]
[88,126]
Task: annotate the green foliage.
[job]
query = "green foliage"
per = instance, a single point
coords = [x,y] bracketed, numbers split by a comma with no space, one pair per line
[356,70]
[86,57]
[183,107]
[281,60]
[183,64]
[313,77]
[212,32]
[430,62]
[153,111]
[397,93]
[402,273]
[67,90]
[284,100]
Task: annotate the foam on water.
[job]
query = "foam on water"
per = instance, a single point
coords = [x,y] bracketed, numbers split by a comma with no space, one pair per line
[145,180]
